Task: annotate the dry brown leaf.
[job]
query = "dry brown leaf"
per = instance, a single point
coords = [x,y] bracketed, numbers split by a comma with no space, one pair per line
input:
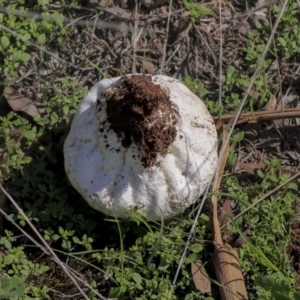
[240,240]
[229,273]
[226,211]
[243,27]
[272,103]
[251,168]
[147,65]
[19,102]
[200,277]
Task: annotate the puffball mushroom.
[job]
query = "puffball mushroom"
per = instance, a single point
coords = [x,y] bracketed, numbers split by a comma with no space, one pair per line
[143,143]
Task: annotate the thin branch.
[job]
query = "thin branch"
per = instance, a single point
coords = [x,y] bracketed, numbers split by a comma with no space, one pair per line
[42,240]
[220,55]
[166,39]
[134,38]
[216,185]
[266,115]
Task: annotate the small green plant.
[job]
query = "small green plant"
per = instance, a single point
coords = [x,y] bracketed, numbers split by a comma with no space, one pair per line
[235,85]
[286,37]
[288,32]
[275,287]
[146,272]
[197,87]
[19,270]
[236,137]
[14,48]
[267,220]
[11,287]
[197,11]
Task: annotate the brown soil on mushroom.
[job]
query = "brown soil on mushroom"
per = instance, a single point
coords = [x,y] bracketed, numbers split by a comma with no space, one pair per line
[141,112]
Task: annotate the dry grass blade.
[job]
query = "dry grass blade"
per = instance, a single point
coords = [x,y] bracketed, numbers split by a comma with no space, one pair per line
[166,40]
[225,258]
[291,179]
[220,55]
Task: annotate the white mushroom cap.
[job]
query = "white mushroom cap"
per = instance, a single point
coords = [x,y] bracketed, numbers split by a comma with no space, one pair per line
[117,170]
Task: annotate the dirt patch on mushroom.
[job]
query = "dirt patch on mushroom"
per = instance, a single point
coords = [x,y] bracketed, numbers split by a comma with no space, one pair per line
[140,111]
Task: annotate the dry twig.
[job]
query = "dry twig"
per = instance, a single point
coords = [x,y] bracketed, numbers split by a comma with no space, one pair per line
[227,266]
[44,246]
[261,116]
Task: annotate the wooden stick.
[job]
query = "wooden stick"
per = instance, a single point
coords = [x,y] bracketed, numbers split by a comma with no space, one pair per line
[216,185]
[225,258]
